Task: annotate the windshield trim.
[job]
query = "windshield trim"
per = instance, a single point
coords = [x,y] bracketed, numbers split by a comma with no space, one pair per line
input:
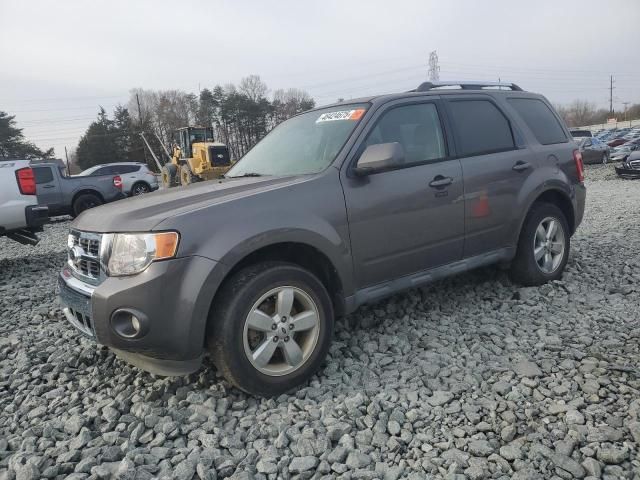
[358,122]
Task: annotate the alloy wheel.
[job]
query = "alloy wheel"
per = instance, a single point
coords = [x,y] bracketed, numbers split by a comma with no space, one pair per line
[549,245]
[281,331]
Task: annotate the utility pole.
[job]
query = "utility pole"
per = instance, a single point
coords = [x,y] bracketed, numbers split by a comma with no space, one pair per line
[434,68]
[611,95]
[67,157]
[144,151]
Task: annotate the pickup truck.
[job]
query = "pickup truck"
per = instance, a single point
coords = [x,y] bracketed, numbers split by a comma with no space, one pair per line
[20,215]
[65,195]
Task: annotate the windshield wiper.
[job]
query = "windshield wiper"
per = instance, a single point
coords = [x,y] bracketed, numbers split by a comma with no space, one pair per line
[248,174]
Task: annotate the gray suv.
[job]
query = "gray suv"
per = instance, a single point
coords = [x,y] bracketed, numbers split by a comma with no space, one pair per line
[336,207]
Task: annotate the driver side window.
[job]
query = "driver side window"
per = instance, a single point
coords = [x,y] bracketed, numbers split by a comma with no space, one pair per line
[416,128]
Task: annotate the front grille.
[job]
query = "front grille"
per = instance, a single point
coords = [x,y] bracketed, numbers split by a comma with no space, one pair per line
[81,321]
[634,164]
[84,255]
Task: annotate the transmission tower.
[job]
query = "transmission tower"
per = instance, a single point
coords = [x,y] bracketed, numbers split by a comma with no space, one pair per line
[434,68]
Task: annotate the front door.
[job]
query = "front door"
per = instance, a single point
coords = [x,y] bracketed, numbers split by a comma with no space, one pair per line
[411,218]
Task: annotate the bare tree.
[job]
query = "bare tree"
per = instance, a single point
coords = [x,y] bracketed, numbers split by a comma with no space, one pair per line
[253,87]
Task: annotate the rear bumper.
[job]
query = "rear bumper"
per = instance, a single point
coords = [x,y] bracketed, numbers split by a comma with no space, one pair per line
[172,299]
[580,198]
[36,217]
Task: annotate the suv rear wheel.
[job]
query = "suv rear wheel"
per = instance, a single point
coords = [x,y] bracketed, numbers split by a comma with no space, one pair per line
[543,247]
[270,328]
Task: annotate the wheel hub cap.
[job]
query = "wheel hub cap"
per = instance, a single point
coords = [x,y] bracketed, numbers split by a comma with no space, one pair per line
[281,331]
[549,245]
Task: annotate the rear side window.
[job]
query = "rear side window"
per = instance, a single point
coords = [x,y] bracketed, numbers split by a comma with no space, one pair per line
[43,175]
[127,168]
[480,127]
[541,120]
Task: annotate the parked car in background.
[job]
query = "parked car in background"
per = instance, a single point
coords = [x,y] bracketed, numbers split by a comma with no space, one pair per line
[620,154]
[593,150]
[20,215]
[580,133]
[630,168]
[336,207]
[65,195]
[136,177]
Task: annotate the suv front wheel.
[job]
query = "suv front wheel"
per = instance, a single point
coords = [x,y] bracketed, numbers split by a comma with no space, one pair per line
[543,247]
[270,328]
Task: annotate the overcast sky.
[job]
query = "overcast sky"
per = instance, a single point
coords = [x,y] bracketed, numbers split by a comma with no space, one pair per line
[60,60]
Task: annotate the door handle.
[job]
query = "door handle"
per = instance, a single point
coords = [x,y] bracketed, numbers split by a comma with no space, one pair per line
[48,186]
[521,166]
[440,181]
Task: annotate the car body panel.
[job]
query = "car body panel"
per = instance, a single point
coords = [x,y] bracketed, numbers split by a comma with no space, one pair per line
[14,206]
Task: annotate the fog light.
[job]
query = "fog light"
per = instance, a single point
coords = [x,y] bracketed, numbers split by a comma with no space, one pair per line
[135,323]
[129,323]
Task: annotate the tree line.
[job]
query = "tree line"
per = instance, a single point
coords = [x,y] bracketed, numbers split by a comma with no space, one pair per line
[240,116]
[581,113]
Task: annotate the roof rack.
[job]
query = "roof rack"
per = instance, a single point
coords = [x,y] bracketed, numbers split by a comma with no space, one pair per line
[426,86]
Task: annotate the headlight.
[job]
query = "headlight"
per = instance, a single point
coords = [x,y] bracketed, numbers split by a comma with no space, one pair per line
[132,253]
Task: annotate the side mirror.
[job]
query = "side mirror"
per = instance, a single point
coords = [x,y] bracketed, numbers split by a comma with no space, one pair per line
[382,156]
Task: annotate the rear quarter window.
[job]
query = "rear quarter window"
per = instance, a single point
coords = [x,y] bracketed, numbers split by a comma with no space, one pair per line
[540,119]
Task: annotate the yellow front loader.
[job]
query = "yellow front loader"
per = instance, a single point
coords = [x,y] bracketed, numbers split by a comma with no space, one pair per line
[195,157]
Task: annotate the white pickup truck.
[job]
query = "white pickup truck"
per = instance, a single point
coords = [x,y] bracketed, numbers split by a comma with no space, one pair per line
[20,215]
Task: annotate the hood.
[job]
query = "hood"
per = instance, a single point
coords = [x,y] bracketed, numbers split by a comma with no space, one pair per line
[143,213]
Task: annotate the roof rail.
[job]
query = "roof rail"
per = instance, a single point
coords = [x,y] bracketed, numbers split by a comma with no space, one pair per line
[426,86]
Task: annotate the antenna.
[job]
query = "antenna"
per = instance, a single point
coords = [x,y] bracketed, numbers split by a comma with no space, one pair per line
[434,68]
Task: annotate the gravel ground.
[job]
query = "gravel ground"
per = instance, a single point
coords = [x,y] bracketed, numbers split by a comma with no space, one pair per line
[471,377]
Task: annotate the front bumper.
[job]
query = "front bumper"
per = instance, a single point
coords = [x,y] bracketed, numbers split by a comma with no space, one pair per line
[175,297]
[626,172]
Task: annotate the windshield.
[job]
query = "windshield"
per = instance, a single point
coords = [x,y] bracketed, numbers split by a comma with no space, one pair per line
[304,144]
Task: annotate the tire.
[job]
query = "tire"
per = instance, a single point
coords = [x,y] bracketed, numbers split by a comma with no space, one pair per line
[140,188]
[84,202]
[525,269]
[169,175]
[186,176]
[232,342]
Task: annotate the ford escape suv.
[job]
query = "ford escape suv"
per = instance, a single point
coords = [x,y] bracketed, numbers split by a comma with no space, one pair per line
[336,207]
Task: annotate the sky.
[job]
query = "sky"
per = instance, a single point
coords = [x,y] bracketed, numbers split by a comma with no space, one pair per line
[61,60]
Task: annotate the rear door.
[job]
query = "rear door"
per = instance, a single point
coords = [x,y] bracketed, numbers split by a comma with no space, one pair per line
[408,219]
[47,187]
[495,165]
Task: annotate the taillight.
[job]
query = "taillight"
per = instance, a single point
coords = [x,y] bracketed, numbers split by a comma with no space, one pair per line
[26,181]
[577,157]
[117,182]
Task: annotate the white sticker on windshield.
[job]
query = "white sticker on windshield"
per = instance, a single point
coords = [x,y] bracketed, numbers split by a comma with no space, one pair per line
[341,115]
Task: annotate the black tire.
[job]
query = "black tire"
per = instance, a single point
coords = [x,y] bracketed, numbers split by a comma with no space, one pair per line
[524,268]
[84,202]
[140,188]
[168,174]
[186,176]
[225,333]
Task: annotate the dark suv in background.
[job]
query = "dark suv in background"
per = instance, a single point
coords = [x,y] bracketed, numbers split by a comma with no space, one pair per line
[336,207]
